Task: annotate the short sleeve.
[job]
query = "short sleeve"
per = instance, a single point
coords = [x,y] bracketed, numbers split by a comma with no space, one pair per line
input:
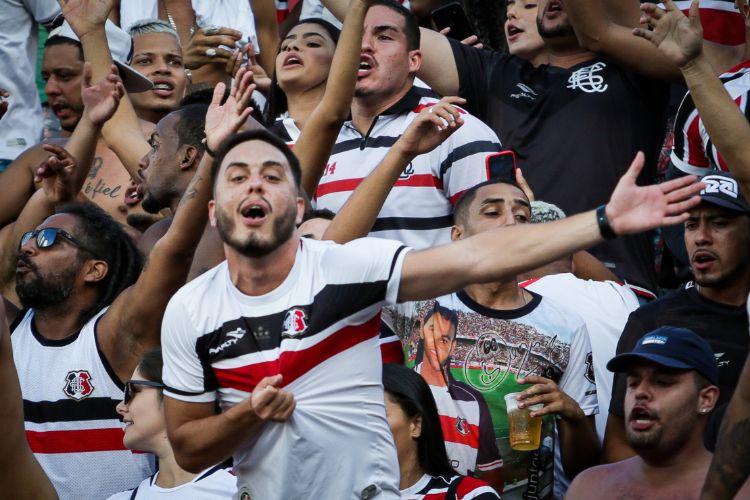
[488,456]
[183,372]
[43,11]
[578,380]
[373,263]
[463,157]
[631,333]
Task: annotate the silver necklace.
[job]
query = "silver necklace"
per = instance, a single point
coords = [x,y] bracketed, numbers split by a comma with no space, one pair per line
[171,20]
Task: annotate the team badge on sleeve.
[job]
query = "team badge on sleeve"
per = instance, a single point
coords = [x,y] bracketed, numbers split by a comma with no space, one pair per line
[78,385]
[590,368]
[295,323]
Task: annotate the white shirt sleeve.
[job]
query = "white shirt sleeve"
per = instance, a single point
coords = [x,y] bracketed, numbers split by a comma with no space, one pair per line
[183,372]
[367,260]
[43,11]
[578,380]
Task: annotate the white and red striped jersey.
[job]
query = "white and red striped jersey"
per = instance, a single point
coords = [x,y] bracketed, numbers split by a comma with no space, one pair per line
[693,151]
[69,397]
[436,488]
[419,208]
[722,22]
[319,329]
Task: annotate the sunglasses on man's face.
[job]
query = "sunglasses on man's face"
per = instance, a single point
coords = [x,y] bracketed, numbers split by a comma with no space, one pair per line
[130,388]
[47,237]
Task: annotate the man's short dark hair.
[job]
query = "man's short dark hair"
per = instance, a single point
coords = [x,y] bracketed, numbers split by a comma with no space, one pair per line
[64,40]
[411,24]
[318,213]
[448,314]
[190,125]
[257,135]
[461,209]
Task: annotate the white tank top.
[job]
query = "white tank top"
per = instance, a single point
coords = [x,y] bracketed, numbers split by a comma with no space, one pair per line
[69,396]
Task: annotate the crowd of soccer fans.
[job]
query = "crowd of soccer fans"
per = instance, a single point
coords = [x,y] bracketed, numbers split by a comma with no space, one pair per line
[263,249]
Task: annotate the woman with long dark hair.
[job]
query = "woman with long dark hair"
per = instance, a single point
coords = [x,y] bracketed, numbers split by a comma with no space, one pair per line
[423,462]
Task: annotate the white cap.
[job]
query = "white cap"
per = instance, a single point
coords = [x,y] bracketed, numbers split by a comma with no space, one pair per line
[121,47]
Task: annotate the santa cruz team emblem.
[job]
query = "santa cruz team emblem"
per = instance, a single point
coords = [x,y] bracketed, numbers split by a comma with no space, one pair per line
[295,323]
[78,385]
[462,426]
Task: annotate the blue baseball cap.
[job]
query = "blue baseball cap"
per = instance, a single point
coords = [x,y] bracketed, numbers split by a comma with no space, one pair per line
[723,190]
[672,347]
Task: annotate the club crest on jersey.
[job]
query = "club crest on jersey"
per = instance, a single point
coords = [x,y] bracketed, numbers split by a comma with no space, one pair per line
[462,426]
[78,385]
[588,79]
[589,374]
[295,323]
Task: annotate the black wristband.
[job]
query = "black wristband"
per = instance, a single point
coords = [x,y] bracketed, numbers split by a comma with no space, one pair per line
[603,221]
[208,150]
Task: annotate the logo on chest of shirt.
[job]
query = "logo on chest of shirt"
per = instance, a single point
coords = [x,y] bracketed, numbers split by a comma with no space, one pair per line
[408,171]
[526,92]
[588,79]
[295,323]
[232,337]
[78,385]
[462,426]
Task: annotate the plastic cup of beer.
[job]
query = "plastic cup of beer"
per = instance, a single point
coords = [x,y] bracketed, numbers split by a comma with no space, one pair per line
[525,431]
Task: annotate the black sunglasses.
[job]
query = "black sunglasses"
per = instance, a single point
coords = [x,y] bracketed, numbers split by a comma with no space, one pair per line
[47,237]
[130,392]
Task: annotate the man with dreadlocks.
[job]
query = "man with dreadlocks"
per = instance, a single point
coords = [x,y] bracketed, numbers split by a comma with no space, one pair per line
[91,310]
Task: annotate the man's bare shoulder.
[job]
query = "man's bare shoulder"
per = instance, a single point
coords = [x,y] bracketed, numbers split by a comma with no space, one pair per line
[593,482]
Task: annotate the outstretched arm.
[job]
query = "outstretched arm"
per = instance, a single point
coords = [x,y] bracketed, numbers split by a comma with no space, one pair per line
[429,129]
[679,38]
[319,133]
[133,322]
[20,473]
[504,252]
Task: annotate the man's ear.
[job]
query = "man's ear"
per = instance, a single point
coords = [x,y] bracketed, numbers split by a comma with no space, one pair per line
[415,61]
[95,270]
[189,156]
[707,399]
[300,211]
[211,214]
[457,232]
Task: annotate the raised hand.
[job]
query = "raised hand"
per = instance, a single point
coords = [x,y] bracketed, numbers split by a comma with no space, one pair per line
[678,37]
[56,174]
[634,209]
[223,120]
[205,46]
[85,15]
[431,127]
[271,403]
[101,99]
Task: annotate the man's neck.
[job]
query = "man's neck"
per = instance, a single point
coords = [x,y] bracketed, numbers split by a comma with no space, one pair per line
[565,58]
[365,110]
[150,115]
[734,294]
[257,276]
[59,321]
[683,462]
[506,295]
[302,104]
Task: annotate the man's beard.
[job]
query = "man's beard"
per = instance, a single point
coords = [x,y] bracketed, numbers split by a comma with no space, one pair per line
[253,246]
[151,204]
[45,291]
[561,30]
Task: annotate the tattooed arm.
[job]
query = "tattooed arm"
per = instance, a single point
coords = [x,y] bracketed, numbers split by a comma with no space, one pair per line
[730,466]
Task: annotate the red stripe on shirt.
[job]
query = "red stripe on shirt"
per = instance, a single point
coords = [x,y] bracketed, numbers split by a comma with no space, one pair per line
[696,156]
[416,180]
[721,26]
[294,364]
[452,435]
[76,441]
[392,352]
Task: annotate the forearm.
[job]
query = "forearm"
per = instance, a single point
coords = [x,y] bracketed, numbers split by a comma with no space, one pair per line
[202,443]
[730,466]
[623,12]
[337,7]
[579,444]
[267,30]
[590,20]
[82,147]
[728,128]
[357,216]
[322,128]
[122,132]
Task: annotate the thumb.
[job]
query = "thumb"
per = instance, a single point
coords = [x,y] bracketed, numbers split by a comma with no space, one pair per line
[273,381]
[694,15]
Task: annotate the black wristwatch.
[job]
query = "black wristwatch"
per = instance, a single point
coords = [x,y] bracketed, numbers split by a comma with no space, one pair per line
[603,221]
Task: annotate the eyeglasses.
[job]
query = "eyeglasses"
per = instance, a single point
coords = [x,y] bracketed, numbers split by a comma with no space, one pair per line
[130,392]
[47,237]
